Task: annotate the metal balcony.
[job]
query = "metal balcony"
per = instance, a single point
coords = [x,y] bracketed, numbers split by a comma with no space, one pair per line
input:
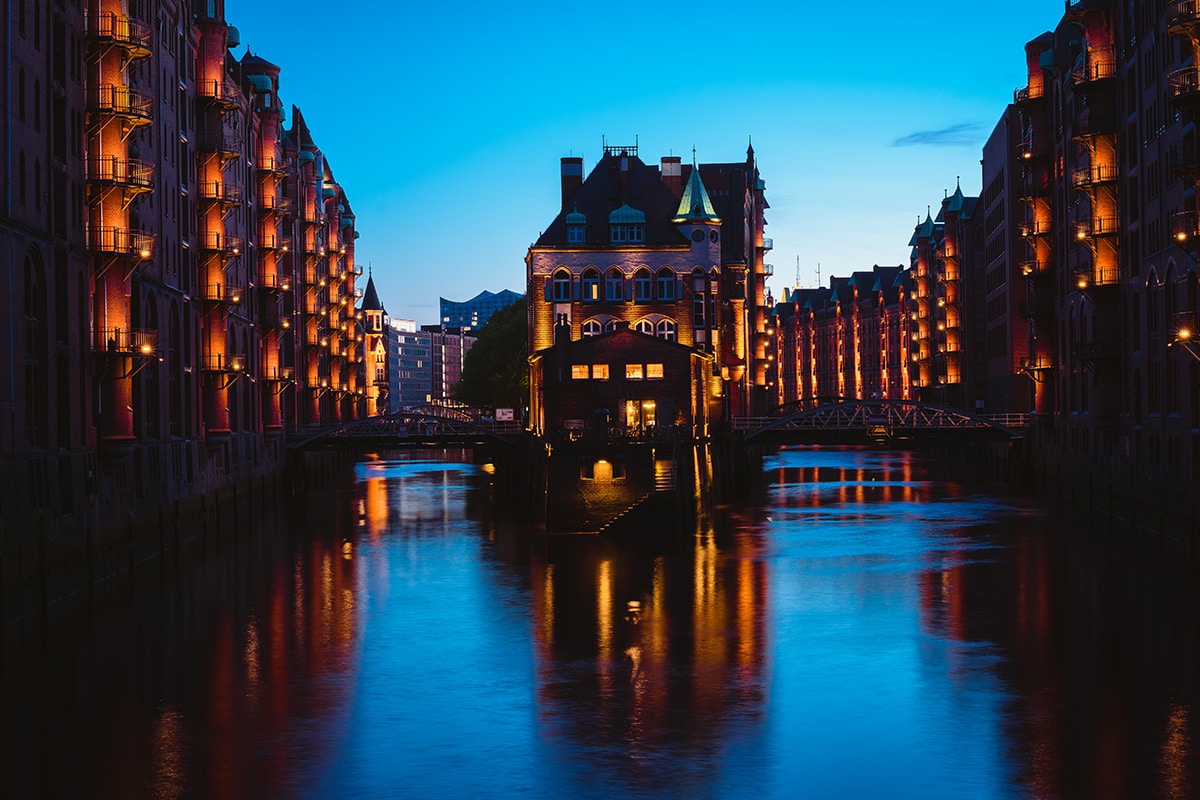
[274,282]
[1183,86]
[220,92]
[1033,267]
[273,165]
[128,173]
[222,143]
[121,242]
[1028,94]
[1183,18]
[1185,227]
[1097,225]
[1033,228]
[227,293]
[1093,174]
[274,204]
[221,193]
[132,36]
[220,242]
[125,341]
[132,107]
[1094,69]
[221,362]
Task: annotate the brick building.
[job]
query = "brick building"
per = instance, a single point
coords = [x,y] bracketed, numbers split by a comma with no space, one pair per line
[180,259]
[648,246]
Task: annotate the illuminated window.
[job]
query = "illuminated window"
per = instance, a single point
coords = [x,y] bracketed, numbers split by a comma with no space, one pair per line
[579,372]
[590,285]
[654,371]
[592,328]
[633,372]
[600,372]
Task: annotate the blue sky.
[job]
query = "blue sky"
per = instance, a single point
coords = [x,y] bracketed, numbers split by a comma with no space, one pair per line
[445,123]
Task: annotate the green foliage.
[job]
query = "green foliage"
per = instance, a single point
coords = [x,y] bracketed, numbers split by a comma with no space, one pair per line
[496,368]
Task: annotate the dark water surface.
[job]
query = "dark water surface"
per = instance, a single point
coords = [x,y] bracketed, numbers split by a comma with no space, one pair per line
[868,631]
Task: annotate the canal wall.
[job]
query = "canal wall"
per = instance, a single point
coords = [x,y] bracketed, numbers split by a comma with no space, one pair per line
[136,511]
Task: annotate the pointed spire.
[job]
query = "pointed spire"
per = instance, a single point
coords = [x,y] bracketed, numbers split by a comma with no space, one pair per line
[695,205]
[370,300]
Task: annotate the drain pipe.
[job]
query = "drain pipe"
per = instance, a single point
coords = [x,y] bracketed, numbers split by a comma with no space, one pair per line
[12,366]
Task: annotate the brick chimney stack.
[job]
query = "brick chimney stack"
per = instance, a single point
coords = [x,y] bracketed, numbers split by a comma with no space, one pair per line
[672,174]
[572,177]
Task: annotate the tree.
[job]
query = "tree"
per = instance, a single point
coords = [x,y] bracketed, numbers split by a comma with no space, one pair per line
[496,369]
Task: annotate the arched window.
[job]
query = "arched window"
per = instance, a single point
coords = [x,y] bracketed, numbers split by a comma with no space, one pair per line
[592,327]
[666,284]
[614,286]
[665,330]
[610,325]
[645,326]
[642,286]
[562,286]
[591,285]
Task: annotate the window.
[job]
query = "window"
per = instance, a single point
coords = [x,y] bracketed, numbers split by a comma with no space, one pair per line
[562,286]
[579,372]
[665,330]
[633,372]
[575,234]
[645,326]
[641,286]
[600,372]
[614,286]
[627,232]
[610,325]
[592,328]
[666,284]
[654,371]
[591,285]
[380,375]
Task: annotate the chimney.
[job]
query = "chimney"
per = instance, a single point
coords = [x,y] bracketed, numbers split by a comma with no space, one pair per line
[672,175]
[572,177]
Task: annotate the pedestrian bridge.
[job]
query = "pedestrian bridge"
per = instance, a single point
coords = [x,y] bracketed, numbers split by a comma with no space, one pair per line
[879,420]
[425,426]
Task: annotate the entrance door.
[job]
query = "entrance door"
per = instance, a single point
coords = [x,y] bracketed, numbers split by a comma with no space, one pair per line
[639,414]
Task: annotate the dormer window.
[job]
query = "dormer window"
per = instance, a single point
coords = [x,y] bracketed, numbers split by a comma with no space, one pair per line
[626,225]
[576,223]
[625,233]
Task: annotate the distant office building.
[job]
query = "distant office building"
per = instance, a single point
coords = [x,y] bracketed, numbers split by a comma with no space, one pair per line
[473,314]
[424,364]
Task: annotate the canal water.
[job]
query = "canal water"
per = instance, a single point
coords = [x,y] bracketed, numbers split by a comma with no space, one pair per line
[869,629]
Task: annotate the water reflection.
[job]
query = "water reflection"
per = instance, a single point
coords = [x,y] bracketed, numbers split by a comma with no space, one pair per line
[872,629]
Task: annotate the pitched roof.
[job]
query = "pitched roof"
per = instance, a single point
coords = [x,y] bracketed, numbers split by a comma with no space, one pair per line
[695,205]
[370,300]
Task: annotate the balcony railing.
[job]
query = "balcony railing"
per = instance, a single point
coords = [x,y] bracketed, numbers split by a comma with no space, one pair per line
[1095,68]
[1097,225]
[219,91]
[1093,174]
[221,192]
[279,373]
[1183,17]
[275,204]
[137,341]
[1037,227]
[272,164]
[221,292]
[768,243]
[127,172]
[1027,93]
[221,142]
[222,362]
[1184,84]
[276,282]
[1033,267]
[123,242]
[131,35]
[220,242]
[110,98]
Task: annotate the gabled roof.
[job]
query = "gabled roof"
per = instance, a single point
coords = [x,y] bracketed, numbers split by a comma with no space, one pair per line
[616,182]
[585,348]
